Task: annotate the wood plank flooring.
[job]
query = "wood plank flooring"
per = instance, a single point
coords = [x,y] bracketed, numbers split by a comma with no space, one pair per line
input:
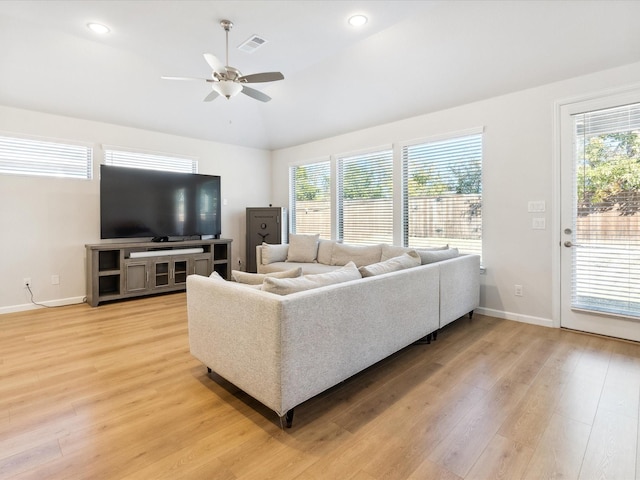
[113,393]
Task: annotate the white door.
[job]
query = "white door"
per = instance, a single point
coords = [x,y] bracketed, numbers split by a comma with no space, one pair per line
[600,216]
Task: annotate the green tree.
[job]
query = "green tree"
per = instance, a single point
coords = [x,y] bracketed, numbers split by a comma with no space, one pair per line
[361,181]
[609,177]
[426,182]
[306,189]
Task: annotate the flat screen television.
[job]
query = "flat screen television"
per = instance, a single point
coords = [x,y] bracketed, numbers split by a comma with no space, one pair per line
[140,203]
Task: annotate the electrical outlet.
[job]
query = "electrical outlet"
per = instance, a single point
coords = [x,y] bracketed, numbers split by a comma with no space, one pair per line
[518,290]
[26,282]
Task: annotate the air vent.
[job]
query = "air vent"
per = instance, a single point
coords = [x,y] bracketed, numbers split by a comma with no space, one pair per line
[252,44]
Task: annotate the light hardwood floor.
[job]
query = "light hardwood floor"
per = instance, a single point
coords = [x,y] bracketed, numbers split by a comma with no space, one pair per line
[113,393]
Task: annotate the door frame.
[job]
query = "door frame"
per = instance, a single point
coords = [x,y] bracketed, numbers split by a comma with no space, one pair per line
[592,101]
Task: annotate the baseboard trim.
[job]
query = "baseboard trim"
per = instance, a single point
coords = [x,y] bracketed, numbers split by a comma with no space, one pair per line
[49,303]
[544,322]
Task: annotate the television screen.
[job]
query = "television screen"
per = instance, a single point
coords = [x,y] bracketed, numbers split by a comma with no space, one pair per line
[139,203]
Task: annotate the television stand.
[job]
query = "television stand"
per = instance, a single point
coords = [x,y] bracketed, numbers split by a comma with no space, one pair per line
[116,271]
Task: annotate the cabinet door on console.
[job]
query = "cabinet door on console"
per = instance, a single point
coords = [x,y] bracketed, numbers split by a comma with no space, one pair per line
[136,276]
[267,225]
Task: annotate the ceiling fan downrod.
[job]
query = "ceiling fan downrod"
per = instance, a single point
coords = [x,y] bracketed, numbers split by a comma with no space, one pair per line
[227,25]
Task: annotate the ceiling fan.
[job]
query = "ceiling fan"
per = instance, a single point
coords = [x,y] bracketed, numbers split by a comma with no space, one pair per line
[228,81]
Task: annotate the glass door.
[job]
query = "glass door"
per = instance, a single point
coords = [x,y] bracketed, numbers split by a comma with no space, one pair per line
[600,218]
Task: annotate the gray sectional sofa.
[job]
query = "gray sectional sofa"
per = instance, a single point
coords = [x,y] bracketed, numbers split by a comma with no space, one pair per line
[283,349]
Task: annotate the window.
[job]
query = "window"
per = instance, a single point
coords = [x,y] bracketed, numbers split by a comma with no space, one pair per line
[442,193]
[365,198]
[149,161]
[606,260]
[310,199]
[45,158]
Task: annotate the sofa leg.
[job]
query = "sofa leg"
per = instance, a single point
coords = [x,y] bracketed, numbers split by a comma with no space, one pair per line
[288,418]
[471,315]
[435,335]
[208,370]
[426,339]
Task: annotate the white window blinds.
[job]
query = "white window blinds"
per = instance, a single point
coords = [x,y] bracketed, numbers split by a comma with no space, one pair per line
[310,199]
[606,259]
[45,158]
[149,161]
[442,193]
[365,198]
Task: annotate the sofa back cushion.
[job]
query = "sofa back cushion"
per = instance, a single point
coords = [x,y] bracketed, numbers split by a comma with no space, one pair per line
[303,248]
[431,256]
[285,286]
[390,251]
[325,248]
[361,255]
[274,253]
[407,260]
[258,278]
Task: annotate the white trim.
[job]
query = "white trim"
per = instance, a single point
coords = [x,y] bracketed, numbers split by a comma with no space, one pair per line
[49,303]
[118,148]
[301,163]
[39,138]
[366,151]
[443,136]
[543,322]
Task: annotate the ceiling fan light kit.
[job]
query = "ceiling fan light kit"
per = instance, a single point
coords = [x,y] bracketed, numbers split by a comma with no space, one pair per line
[227,88]
[228,81]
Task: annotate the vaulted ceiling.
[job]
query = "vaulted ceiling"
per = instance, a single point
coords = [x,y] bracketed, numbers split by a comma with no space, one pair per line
[412,57]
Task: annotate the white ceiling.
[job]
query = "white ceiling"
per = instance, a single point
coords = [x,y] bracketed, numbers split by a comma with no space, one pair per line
[413,57]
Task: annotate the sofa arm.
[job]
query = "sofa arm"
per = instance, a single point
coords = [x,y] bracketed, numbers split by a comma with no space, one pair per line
[272,253]
[459,287]
[235,331]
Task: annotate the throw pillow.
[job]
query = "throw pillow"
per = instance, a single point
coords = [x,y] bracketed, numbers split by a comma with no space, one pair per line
[360,254]
[437,255]
[257,278]
[285,286]
[407,260]
[216,276]
[303,248]
[274,253]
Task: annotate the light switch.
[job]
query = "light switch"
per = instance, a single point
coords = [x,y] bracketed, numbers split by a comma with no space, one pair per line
[539,223]
[536,206]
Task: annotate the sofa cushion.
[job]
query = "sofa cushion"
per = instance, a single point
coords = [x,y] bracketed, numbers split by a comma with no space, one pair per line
[437,255]
[303,248]
[359,254]
[285,286]
[325,248]
[407,260]
[258,278]
[274,253]
[390,251]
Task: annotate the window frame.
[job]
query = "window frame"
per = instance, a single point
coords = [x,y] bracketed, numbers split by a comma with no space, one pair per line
[137,158]
[45,149]
[436,139]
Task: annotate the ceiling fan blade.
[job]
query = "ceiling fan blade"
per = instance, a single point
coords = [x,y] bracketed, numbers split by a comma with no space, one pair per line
[187,78]
[258,95]
[215,64]
[212,96]
[262,77]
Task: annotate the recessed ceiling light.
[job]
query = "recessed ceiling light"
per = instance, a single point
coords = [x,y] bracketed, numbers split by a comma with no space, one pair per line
[98,28]
[357,20]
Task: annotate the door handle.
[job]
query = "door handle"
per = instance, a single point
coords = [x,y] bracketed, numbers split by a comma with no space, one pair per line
[568,244]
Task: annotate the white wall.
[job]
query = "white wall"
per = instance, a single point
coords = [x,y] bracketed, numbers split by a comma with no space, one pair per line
[519,165]
[45,222]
